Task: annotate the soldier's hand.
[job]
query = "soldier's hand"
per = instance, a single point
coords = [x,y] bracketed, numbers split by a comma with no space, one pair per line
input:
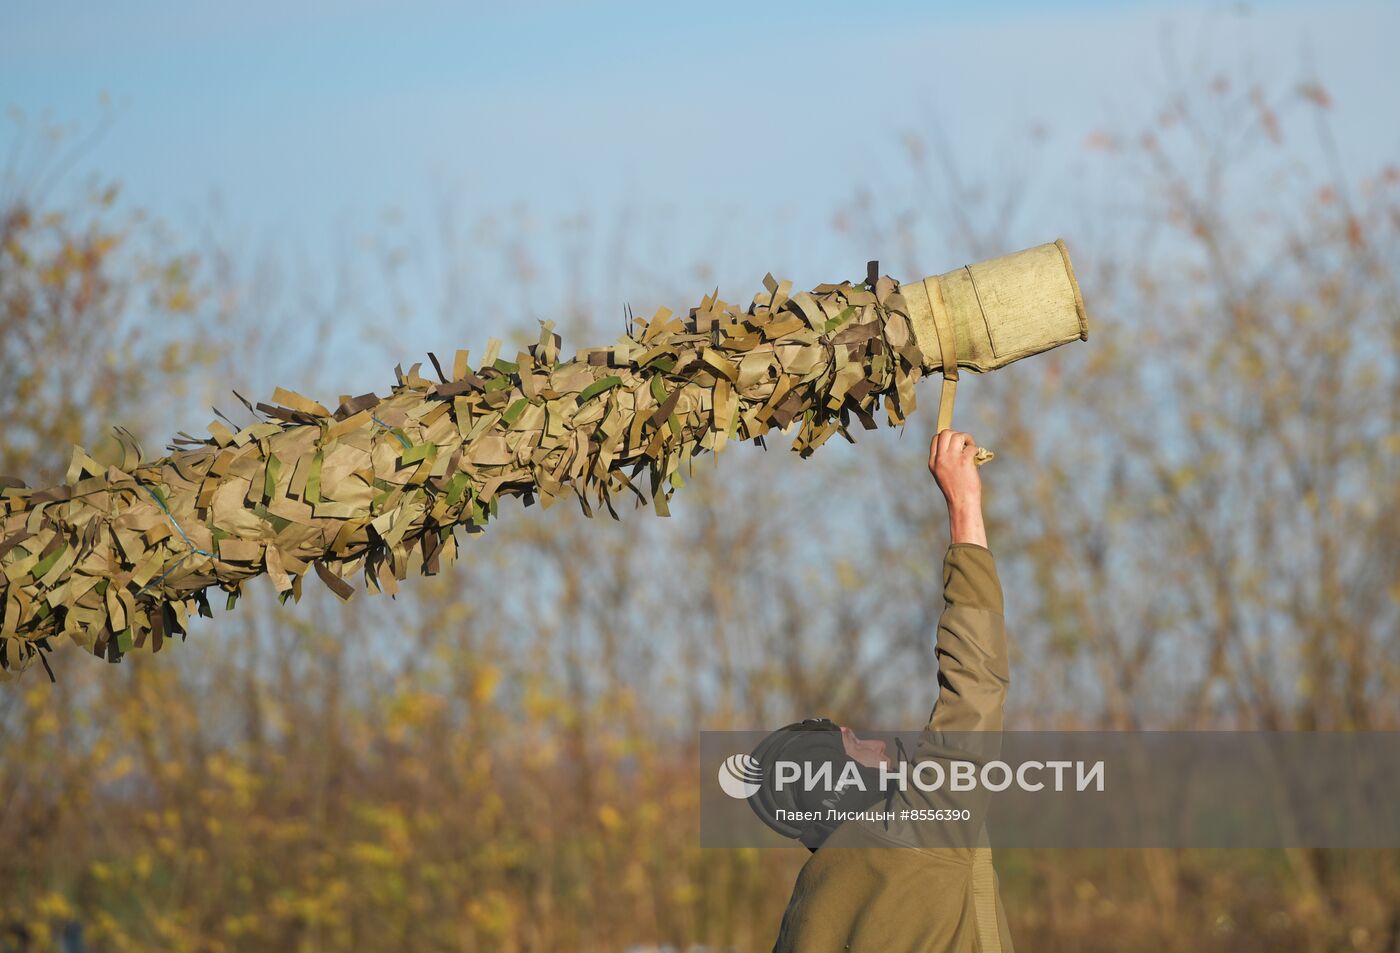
[952,461]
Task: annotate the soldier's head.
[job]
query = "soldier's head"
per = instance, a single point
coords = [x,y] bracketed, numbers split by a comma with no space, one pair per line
[818,747]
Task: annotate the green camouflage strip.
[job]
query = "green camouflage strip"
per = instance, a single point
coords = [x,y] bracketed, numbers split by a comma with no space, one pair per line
[120,557]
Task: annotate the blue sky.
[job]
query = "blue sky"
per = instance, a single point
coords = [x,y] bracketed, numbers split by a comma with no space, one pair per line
[308,120]
[729,132]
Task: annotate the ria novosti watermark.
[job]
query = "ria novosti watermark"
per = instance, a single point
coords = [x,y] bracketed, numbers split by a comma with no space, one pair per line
[740,776]
[1072,789]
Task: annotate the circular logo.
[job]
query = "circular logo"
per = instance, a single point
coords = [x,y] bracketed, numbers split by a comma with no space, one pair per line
[740,776]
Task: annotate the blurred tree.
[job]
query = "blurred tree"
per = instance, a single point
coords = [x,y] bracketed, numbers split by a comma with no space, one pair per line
[1196,511]
[1193,515]
[95,313]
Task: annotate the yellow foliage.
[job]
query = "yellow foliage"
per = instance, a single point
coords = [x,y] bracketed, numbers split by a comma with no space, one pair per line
[484,682]
[526,785]
[609,817]
[53,906]
[492,913]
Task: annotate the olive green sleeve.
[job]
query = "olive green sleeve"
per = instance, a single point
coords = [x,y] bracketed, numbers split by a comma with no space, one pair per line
[973,668]
[966,724]
[970,578]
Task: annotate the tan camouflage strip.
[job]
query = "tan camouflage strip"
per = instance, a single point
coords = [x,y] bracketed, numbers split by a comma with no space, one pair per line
[120,557]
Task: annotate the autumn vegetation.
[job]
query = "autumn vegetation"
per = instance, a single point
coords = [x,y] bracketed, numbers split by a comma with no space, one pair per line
[1194,514]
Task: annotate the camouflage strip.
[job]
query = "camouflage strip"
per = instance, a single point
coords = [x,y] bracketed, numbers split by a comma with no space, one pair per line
[120,557]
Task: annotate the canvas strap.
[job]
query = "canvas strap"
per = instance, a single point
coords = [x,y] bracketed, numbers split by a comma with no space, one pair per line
[947,339]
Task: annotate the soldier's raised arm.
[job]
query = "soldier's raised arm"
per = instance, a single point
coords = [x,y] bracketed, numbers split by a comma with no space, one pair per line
[973,670]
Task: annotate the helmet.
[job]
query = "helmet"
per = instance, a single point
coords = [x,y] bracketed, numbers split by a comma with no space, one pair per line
[812,743]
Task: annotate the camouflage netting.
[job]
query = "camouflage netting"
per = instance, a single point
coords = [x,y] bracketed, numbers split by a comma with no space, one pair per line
[118,558]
